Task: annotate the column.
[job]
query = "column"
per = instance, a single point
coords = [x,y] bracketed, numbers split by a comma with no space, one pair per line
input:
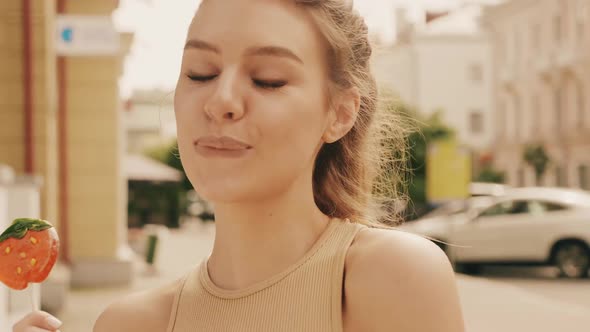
[96,193]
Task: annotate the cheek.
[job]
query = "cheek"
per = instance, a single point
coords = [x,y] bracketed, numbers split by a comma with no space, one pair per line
[188,112]
[185,104]
[294,124]
[189,121]
[289,140]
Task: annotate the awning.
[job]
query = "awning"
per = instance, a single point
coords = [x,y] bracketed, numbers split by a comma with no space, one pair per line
[141,168]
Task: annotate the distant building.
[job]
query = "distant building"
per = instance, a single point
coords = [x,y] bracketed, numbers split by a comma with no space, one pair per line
[542,88]
[149,120]
[443,64]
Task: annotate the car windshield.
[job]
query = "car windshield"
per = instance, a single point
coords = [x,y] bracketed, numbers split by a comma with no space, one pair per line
[461,206]
[448,209]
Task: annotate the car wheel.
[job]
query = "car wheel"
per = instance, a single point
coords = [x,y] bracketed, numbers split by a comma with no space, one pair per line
[573,260]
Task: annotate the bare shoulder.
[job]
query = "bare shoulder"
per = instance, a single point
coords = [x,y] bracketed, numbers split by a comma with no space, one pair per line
[397,281]
[147,311]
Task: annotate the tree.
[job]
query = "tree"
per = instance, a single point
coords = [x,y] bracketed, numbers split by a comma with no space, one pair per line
[168,154]
[536,157]
[425,131]
[173,194]
[429,130]
[487,172]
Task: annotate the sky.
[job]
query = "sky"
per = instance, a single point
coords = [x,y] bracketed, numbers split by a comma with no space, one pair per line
[160,30]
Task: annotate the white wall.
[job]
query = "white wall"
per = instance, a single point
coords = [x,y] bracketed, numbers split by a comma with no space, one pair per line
[433,72]
[444,82]
[394,69]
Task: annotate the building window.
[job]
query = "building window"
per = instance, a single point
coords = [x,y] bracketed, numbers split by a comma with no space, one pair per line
[535,114]
[521,177]
[557,101]
[560,176]
[475,73]
[582,15]
[584,177]
[536,36]
[501,49]
[517,47]
[580,29]
[500,124]
[557,29]
[580,105]
[518,119]
[476,125]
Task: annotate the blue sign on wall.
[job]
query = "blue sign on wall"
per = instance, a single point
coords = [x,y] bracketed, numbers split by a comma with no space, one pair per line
[67,34]
[86,35]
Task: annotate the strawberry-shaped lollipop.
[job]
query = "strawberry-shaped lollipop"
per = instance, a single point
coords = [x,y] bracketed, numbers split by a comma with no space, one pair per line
[28,251]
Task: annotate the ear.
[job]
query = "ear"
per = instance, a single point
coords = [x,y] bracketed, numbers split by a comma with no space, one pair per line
[343,115]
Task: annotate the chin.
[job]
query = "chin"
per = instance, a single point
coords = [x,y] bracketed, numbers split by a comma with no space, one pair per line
[225,190]
[224,196]
[236,190]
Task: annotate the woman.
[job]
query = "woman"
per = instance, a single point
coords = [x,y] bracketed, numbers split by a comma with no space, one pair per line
[278,127]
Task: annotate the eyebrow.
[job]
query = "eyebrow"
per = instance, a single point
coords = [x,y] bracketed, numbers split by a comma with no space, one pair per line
[200,45]
[273,51]
[253,51]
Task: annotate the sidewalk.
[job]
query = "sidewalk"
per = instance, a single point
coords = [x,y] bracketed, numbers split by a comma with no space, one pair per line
[85,305]
[493,306]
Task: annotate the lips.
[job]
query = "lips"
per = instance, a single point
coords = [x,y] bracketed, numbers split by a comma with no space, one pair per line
[222,143]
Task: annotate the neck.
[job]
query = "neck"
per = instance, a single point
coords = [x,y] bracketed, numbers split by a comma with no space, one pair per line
[254,242]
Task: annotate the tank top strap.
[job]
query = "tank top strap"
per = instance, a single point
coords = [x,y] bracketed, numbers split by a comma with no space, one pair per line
[345,238]
[176,304]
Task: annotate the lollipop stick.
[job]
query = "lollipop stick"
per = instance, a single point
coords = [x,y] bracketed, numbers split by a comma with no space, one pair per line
[34,304]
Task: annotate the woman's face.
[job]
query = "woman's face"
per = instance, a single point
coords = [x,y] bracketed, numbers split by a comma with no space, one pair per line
[251,107]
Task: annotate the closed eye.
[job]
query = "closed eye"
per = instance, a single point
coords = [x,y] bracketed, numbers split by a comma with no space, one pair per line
[270,85]
[200,78]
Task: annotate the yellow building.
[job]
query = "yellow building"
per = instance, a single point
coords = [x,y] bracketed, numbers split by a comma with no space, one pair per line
[60,118]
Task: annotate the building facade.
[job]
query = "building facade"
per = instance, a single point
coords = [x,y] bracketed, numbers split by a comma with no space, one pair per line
[60,120]
[541,50]
[444,65]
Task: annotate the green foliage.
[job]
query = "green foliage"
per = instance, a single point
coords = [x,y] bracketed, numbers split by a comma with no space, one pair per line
[536,157]
[425,131]
[491,175]
[168,154]
[19,228]
[154,203]
[487,172]
[160,203]
[429,130]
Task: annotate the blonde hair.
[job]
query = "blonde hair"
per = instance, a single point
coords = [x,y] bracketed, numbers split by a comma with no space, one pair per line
[360,177]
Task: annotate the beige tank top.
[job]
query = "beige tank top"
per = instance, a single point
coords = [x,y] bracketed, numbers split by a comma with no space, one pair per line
[305,297]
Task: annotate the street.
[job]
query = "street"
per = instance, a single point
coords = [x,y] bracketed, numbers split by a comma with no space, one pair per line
[498,304]
[501,299]
[543,282]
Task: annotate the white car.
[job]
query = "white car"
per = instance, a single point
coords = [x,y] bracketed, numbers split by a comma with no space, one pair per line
[477,189]
[544,226]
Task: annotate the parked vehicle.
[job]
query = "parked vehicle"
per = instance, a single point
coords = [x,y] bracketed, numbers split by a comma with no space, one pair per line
[541,226]
[477,189]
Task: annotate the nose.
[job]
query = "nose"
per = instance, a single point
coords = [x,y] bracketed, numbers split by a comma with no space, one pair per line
[225,104]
